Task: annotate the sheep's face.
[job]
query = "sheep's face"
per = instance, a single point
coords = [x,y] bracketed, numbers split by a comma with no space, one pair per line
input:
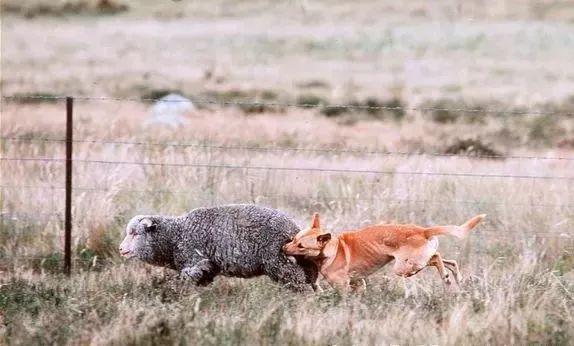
[139,239]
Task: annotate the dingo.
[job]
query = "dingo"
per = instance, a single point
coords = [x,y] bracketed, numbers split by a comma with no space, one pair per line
[346,259]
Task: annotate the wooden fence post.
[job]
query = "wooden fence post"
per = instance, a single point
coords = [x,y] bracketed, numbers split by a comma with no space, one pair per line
[68,210]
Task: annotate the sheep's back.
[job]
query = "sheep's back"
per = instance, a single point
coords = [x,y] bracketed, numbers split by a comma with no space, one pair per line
[241,238]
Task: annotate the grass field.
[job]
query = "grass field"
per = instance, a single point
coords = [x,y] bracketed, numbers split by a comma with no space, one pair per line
[509,56]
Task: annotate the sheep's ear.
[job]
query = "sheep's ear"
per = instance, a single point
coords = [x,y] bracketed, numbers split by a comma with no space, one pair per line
[316,223]
[323,239]
[149,225]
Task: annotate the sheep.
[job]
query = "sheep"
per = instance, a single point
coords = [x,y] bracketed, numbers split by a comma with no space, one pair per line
[239,240]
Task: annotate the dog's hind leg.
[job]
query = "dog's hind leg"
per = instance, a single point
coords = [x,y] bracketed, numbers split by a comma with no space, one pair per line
[436,261]
[452,265]
[357,285]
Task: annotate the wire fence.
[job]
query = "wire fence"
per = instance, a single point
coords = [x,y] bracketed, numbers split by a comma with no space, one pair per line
[353,151]
[320,197]
[274,148]
[215,102]
[512,234]
[292,169]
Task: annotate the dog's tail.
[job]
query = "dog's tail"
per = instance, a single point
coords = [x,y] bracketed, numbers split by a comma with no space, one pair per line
[457,231]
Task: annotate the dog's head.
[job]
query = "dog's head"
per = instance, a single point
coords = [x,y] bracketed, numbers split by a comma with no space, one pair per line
[310,242]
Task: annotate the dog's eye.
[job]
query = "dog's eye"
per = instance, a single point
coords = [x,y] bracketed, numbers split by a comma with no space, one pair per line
[300,246]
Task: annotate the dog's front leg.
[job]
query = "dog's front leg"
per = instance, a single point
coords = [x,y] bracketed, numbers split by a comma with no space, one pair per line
[342,285]
[339,280]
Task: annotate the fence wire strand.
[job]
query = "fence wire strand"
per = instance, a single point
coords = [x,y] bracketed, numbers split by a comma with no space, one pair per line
[291,169]
[357,197]
[49,216]
[204,101]
[354,151]
[491,234]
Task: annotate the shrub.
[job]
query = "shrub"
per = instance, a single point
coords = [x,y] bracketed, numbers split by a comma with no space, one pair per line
[442,111]
[55,8]
[446,111]
[310,100]
[269,95]
[370,106]
[544,130]
[35,97]
[373,106]
[334,111]
[393,106]
[52,263]
[248,101]
[258,107]
[110,7]
[472,147]
[155,94]
[313,84]
[565,107]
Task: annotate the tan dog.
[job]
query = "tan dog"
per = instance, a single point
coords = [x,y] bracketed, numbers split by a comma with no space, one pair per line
[345,260]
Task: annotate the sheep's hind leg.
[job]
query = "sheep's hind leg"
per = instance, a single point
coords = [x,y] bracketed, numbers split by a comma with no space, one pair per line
[202,273]
[311,273]
[291,275]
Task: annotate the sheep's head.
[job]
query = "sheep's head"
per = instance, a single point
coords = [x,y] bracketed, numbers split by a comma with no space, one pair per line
[140,237]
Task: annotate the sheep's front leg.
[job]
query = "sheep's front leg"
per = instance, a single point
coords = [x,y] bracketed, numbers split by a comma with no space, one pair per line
[316,287]
[201,273]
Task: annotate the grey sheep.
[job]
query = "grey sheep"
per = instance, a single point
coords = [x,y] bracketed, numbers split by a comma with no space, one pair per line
[238,240]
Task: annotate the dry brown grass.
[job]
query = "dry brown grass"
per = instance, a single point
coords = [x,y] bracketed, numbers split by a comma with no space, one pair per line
[505,303]
[518,265]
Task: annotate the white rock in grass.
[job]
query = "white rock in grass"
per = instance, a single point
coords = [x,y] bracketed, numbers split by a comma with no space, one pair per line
[170,110]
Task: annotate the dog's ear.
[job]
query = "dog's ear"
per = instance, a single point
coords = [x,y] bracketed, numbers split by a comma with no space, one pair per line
[316,223]
[323,239]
